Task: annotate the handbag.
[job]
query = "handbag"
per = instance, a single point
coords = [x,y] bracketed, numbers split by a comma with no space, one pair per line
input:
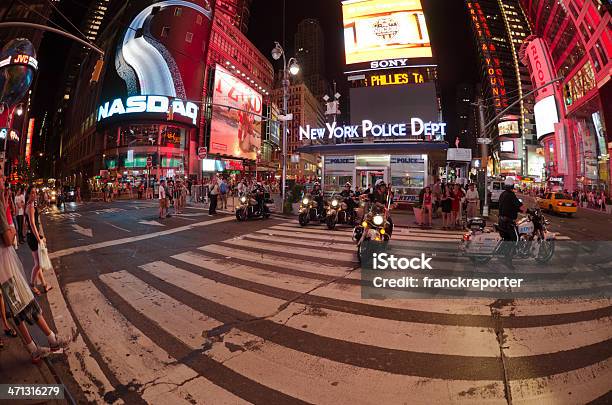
[43,257]
[15,289]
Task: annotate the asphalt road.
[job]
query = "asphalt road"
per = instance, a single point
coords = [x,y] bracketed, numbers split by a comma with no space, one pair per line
[199,309]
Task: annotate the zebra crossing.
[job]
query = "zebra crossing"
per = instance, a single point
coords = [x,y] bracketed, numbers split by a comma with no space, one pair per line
[276,317]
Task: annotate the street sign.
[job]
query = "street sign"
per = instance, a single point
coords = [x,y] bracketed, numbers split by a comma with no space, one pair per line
[149,161]
[486,141]
[202,152]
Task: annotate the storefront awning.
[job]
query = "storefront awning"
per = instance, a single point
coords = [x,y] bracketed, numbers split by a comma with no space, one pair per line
[368,148]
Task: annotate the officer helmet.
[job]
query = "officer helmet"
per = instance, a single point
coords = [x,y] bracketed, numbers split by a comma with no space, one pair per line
[379,183]
[509,182]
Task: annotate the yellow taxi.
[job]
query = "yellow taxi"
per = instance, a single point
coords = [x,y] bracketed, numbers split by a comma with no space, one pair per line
[558,203]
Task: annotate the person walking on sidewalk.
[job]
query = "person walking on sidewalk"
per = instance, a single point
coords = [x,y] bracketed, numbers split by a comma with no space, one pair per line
[34,237]
[162,200]
[447,201]
[427,206]
[21,303]
[20,204]
[213,195]
[473,201]
[223,189]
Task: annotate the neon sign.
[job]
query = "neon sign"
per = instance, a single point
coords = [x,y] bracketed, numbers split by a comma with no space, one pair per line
[149,104]
[417,127]
[396,78]
[20,60]
[489,53]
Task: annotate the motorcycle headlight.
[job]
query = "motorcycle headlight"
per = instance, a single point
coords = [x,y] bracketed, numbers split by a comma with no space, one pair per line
[53,193]
[378,220]
[305,201]
[334,203]
[243,199]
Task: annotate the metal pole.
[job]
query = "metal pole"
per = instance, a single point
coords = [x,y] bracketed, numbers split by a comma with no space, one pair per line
[484,151]
[50,29]
[285,96]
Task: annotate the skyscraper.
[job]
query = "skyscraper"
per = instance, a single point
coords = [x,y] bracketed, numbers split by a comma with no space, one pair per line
[237,12]
[310,52]
[500,28]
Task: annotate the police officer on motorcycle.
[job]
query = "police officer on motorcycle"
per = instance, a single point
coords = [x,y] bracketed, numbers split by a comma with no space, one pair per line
[259,193]
[378,198]
[509,207]
[317,195]
[347,194]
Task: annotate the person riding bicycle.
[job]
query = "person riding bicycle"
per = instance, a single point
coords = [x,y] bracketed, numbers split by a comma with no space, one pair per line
[509,207]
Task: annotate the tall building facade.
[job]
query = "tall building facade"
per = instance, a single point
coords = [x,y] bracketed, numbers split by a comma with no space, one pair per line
[236,12]
[310,52]
[306,110]
[500,29]
[574,40]
[467,116]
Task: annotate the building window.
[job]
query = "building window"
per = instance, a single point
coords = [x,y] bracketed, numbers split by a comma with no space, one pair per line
[189,37]
[178,12]
[165,32]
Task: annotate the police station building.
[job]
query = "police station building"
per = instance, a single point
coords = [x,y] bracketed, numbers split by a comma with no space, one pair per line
[405,155]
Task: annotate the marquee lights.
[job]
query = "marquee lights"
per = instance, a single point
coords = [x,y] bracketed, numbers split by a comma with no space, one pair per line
[19,60]
[148,104]
[417,127]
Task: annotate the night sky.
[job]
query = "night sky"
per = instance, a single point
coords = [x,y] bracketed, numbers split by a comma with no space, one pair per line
[447,21]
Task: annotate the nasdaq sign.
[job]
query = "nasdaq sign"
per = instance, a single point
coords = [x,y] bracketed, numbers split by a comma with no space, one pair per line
[149,104]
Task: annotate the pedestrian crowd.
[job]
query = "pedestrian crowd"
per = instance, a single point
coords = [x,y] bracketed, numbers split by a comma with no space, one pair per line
[451,201]
[20,223]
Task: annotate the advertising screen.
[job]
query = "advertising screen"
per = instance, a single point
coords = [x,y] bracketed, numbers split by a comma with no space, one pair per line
[506,146]
[235,128]
[394,103]
[508,128]
[546,116]
[384,29]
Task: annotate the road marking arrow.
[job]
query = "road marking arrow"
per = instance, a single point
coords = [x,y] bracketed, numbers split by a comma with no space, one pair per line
[153,223]
[83,231]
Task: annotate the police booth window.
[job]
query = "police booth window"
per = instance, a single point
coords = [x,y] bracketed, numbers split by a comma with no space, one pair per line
[335,183]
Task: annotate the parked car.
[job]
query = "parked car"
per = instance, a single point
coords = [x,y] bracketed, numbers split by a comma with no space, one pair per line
[558,203]
[496,187]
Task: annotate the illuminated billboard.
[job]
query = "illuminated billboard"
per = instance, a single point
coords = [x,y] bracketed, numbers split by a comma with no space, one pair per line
[546,116]
[508,128]
[235,128]
[379,30]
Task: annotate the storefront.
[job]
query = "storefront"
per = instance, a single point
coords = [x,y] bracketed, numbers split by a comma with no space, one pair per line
[407,166]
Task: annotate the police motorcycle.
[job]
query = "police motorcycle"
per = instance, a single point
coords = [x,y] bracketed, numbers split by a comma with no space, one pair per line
[339,212]
[375,227]
[310,210]
[481,243]
[249,207]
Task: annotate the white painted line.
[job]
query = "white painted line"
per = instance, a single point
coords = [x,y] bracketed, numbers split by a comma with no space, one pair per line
[117,227]
[579,386]
[416,337]
[152,223]
[327,253]
[131,356]
[101,245]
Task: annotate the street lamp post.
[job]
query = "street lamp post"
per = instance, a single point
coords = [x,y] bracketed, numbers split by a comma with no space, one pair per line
[294,69]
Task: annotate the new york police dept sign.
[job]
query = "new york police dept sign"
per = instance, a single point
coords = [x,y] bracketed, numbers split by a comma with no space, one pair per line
[419,129]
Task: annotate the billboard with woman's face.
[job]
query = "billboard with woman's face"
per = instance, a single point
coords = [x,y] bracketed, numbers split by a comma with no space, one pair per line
[235,128]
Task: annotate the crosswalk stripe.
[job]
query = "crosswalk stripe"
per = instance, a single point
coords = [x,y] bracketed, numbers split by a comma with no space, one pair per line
[320,243]
[348,293]
[133,358]
[549,339]
[579,386]
[187,325]
[326,254]
[440,339]
[271,259]
[528,311]
[296,373]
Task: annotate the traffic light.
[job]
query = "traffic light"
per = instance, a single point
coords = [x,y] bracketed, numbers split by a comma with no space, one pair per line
[95,75]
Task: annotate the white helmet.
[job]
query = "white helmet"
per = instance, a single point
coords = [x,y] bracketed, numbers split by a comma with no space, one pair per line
[509,182]
[379,182]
